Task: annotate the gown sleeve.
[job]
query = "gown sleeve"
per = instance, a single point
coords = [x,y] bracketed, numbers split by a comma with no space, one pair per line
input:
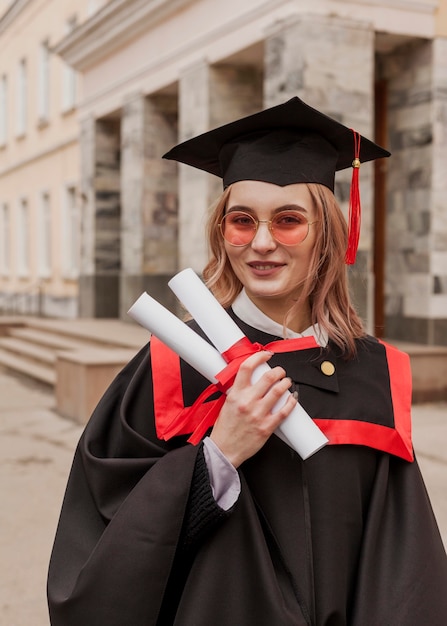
[402,574]
[132,503]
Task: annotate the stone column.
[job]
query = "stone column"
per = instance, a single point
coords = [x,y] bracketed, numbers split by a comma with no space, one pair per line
[329,63]
[438,255]
[100,247]
[416,289]
[209,97]
[87,261]
[194,185]
[149,199]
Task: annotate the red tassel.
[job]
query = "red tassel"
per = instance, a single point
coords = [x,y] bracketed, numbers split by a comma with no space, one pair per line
[354,205]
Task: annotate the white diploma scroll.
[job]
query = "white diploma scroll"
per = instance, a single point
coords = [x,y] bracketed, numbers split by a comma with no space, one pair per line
[174,333]
[298,429]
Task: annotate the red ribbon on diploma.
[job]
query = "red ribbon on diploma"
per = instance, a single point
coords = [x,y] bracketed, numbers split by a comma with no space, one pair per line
[234,356]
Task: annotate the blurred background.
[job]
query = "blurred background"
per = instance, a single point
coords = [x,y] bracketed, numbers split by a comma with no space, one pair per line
[93,92]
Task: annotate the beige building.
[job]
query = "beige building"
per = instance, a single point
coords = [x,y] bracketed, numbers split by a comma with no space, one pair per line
[157,72]
[152,72]
[39,158]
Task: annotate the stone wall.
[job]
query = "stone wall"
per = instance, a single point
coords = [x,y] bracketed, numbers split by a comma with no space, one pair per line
[329,63]
[209,97]
[416,258]
[101,250]
[144,218]
[439,194]
[149,199]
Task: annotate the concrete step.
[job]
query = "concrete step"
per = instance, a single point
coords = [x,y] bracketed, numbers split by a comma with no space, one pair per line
[77,356]
[29,368]
[47,339]
[33,351]
[429,371]
[82,376]
[105,333]
[6,323]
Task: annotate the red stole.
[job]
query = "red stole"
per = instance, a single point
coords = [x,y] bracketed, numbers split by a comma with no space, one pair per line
[173,418]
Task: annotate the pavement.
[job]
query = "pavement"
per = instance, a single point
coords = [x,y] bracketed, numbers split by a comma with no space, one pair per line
[36,450]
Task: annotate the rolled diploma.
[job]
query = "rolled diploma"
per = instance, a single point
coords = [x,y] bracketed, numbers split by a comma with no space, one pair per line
[298,429]
[180,338]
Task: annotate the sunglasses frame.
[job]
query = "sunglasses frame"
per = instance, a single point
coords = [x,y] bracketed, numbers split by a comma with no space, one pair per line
[256,223]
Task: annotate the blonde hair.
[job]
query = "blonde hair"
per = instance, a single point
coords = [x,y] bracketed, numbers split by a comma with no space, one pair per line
[326,284]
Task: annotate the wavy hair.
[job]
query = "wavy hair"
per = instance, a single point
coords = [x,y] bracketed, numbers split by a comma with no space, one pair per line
[326,284]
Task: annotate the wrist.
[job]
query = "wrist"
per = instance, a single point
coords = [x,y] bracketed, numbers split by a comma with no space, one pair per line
[227,453]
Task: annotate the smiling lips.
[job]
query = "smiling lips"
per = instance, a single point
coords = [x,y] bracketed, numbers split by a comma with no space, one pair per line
[261,267]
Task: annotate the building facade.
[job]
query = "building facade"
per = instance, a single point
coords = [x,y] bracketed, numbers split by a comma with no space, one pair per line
[40,222]
[155,72]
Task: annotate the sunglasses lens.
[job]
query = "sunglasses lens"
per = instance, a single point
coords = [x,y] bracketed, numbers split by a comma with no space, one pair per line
[290,227]
[238,228]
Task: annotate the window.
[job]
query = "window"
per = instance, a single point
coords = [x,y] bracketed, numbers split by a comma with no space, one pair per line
[5,247]
[69,77]
[3,110]
[43,94]
[22,88]
[23,239]
[44,236]
[72,234]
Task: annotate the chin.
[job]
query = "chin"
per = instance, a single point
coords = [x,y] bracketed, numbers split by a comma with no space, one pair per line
[269,294]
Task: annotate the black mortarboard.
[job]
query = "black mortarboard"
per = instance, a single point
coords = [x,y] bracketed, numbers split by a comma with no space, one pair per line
[285,144]
[288,143]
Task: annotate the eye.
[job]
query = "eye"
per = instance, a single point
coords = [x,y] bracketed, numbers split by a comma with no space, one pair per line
[290,218]
[239,219]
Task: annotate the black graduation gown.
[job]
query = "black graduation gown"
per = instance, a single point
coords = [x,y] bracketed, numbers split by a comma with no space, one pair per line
[347,537]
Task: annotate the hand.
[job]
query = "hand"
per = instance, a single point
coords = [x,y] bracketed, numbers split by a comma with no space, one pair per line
[246,420]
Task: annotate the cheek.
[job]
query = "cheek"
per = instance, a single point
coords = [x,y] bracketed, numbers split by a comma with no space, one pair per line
[232,253]
[304,257]
[309,245]
[229,256]
[235,263]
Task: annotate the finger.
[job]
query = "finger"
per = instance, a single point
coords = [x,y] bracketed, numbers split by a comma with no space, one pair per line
[278,416]
[269,378]
[247,367]
[275,392]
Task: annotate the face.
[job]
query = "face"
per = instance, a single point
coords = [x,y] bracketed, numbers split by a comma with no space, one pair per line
[270,271]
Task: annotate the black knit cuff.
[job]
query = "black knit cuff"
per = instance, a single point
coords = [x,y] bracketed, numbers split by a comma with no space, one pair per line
[202,512]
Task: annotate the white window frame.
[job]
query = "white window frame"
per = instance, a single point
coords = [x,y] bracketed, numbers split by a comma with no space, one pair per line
[5,240]
[71,232]
[3,110]
[44,224]
[23,238]
[22,93]
[43,84]
[69,75]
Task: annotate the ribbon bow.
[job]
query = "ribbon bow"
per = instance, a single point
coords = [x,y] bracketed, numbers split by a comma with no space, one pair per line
[234,356]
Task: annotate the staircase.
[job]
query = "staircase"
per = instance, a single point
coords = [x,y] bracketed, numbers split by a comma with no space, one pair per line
[31,346]
[78,359]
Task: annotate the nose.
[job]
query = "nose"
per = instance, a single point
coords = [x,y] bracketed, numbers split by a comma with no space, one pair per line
[263,240]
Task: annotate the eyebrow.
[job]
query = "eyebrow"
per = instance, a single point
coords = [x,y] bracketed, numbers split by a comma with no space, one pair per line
[285,207]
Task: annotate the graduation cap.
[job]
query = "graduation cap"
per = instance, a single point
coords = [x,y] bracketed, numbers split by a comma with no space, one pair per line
[285,144]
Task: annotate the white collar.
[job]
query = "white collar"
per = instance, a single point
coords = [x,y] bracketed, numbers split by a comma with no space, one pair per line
[249,313]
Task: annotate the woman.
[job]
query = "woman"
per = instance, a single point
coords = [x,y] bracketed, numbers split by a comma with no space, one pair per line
[238,529]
